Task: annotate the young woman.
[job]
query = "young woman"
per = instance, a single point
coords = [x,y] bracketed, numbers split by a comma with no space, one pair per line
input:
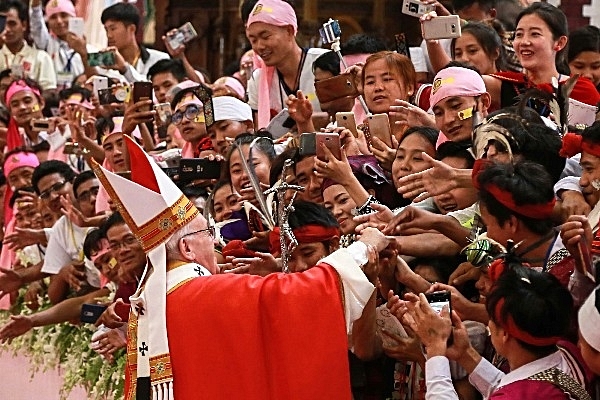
[541,36]
[480,46]
[584,53]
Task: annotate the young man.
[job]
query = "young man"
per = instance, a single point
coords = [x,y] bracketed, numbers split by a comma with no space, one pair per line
[232,118]
[188,117]
[56,40]
[133,61]
[64,254]
[164,75]
[186,238]
[271,30]
[22,59]
[25,103]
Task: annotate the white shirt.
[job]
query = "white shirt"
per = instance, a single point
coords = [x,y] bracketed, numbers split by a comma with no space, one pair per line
[485,377]
[66,246]
[277,93]
[35,64]
[139,72]
[67,63]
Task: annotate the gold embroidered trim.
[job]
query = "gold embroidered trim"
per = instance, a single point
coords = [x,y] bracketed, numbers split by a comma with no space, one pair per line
[160,369]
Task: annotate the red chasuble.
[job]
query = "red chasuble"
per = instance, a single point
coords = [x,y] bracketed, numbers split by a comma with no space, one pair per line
[244,336]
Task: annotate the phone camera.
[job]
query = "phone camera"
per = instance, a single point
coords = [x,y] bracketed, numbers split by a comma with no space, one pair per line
[413,7]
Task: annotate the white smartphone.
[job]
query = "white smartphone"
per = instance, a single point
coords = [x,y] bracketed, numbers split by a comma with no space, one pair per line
[446,27]
[347,120]
[99,83]
[281,124]
[415,8]
[76,26]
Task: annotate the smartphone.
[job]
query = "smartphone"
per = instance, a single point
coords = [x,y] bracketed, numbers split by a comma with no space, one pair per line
[142,91]
[115,94]
[331,141]
[101,59]
[446,27]
[39,125]
[163,114]
[331,31]
[281,124]
[308,144]
[184,34]
[91,312]
[98,83]
[172,173]
[347,120]
[437,300]
[76,26]
[379,127]
[402,45]
[2,23]
[71,148]
[199,168]
[415,8]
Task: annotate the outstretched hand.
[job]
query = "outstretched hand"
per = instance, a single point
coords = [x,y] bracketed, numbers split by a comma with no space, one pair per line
[17,326]
[438,179]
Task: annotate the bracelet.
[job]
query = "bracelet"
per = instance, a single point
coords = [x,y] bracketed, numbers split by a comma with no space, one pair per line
[366,208]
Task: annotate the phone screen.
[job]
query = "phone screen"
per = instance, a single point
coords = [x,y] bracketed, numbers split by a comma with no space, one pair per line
[437,300]
[2,22]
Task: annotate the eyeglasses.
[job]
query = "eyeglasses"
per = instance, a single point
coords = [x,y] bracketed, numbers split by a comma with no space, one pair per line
[87,195]
[190,113]
[210,230]
[127,242]
[54,188]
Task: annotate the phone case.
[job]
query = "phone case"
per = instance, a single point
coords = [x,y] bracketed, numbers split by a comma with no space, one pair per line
[142,91]
[331,141]
[379,127]
[99,83]
[281,124]
[347,120]
[91,312]
[76,26]
[446,27]
[198,168]
[204,94]
[308,144]
[335,88]
[415,8]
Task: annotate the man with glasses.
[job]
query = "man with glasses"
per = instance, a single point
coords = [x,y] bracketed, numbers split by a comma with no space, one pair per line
[188,117]
[64,254]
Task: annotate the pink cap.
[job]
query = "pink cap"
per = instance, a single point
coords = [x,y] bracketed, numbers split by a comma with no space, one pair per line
[19,160]
[233,84]
[77,100]
[188,99]
[104,248]
[17,87]
[273,12]
[456,81]
[58,6]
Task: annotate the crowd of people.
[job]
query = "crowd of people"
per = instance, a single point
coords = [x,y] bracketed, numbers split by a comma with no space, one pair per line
[361,224]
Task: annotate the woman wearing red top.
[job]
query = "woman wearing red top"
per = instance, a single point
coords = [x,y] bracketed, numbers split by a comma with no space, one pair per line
[541,36]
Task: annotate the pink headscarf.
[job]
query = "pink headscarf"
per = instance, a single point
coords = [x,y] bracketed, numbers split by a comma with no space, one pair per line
[277,13]
[19,160]
[17,87]
[58,6]
[456,81]
[233,84]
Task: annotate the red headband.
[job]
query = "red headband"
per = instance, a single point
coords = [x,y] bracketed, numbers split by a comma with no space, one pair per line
[305,234]
[535,211]
[573,143]
[512,329]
